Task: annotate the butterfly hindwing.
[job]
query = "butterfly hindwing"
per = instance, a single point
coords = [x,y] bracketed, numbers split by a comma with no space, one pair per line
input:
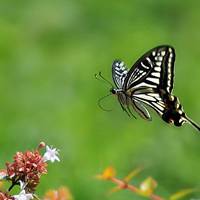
[150,98]
[167,70]
[141,110]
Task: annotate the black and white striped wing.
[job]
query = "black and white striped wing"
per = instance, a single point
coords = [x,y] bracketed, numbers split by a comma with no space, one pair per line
[151,76]
[151,98]
[141,109]
[119,73]
[155,69]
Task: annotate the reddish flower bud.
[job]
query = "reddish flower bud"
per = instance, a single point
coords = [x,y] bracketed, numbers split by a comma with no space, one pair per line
[27,167]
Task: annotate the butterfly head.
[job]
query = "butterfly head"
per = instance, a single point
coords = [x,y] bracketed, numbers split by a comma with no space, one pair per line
[113,91]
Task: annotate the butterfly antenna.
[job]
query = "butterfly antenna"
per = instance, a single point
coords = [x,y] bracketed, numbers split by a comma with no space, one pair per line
[102,78]
[99,103]
[192,123]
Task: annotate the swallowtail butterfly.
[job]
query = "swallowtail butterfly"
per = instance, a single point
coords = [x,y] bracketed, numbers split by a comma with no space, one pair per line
[149,82]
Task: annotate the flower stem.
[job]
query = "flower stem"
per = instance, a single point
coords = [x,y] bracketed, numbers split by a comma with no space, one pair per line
[13,184]
[124,185]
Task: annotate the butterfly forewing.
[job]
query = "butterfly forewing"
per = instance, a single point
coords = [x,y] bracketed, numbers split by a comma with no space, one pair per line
[155,69]
[119,73]
[167,70]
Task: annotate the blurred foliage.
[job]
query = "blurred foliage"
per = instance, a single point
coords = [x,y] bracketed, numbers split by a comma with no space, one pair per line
[146,188]
[49,53]
[62,193]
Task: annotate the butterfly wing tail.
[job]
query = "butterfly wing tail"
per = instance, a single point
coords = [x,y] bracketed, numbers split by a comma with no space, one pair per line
[194,124]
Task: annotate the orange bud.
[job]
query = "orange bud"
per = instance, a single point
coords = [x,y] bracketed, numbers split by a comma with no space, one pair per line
[108,173]
[62,193]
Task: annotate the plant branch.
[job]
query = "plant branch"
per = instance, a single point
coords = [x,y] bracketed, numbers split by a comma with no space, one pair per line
[124,185]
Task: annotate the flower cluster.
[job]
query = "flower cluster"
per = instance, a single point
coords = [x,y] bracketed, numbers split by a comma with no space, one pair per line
[28,168]
[26,171]
[145,189]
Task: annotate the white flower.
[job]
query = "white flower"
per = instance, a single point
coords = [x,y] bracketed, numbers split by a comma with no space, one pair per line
[51,154]
[3,175]
[23,196]
[22,185]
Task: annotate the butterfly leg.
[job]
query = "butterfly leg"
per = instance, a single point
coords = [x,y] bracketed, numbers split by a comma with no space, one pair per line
[131,112]
[123,103]
[128,108]
[124,109]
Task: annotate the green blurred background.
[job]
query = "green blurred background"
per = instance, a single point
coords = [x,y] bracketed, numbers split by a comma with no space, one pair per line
[49,53]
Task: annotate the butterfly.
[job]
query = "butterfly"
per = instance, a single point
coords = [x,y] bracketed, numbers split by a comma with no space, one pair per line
[149,82]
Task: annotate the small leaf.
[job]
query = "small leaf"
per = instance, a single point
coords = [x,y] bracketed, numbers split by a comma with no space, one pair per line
[134,173]
[182,194]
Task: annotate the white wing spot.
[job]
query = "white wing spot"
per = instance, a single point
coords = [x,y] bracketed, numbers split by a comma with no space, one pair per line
[158,69]
[158,63]
[153,53]
[121,64]
[162,53]
[156,74]
[180,120]
[154,80]
[180,112]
